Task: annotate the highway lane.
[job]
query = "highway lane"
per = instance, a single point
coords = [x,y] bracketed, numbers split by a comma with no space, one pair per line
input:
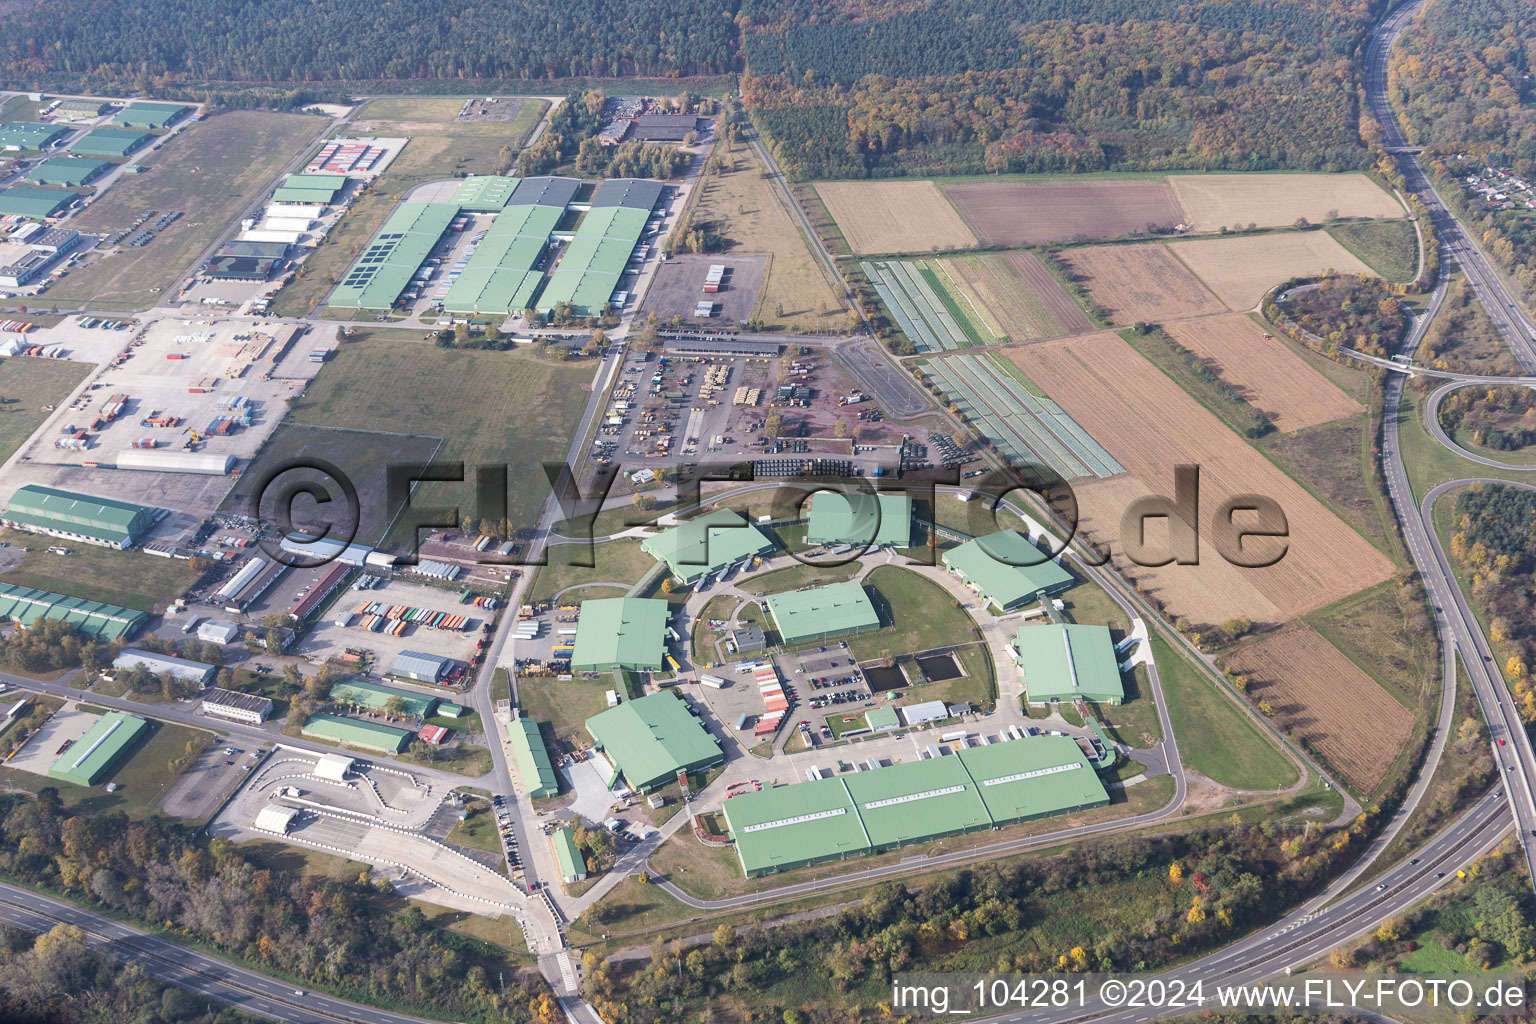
[1458,626]
[190,969]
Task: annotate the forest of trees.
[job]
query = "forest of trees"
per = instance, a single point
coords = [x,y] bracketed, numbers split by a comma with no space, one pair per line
[1496,547]
[1500,418]
[1357,312]
[1462,339]
[331,933]
[1137,902]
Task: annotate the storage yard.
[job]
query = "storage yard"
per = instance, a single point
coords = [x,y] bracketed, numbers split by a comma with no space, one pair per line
[1148,424]
[679,286]
[388,619]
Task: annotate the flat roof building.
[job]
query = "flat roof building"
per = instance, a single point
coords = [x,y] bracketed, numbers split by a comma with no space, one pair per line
[97,754]
[150,115]
[310,189]
[388,264]
[34,203]
[1065,662]
[1006,570]
[573,867]
[250,708]
[75,516]
[707,544]
[595,262]
[109,142]
[504,272]
[532,757]
[653,738]
[815,614]
[215,631]
[925,712]
[422,668]
[664,127]
[180,668]
[621,632]
[484,193]
[24,606]
[375,697]
[350,732]
[910,802]
[748,639]
[861,519]
[24,135]
[68,171]
[882,719]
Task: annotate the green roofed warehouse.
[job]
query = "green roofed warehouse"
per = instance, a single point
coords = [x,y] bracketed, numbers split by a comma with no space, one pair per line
[532,758]
[150,115]
[621,632]
[1065,662]
[910,802]
[350,732]
[94,756]
[706,545]
[573,867]
[651,739]
[20,135]
[68,171]
[109,142]
[1006,570]
[815,614]
[80,517]
[24,606]
[319,189]
[388,264]
[375,697]
[34,203]
[862,519]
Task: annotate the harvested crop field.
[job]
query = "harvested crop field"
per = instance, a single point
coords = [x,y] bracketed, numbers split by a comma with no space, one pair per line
[1273,379]
[1214,201]
[1323,699]
[1141,282]
[1150,426]
[1017,296]
[894,216]
[1241,270]
[1022,214]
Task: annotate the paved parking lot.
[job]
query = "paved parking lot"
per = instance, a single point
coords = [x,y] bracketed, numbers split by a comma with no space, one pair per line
[43,749]
[678,287]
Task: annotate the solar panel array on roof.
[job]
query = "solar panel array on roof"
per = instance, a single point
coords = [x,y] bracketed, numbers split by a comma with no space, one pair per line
[384,269]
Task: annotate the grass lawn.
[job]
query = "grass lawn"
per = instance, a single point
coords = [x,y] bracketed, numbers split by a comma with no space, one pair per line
[1088,604]
[491,408]
[1134,722]
[748,209]
[1390,639]
[611,521]
[616,561]
[565,706]
[1215,738]
[210,171]
[1332,460]
[478,831]
[1429,463]
[501,685]
[922,615]
[794,577]
[26,385]
[702,642]
[142,780]
[1389,247]
[436,150]
[129,578]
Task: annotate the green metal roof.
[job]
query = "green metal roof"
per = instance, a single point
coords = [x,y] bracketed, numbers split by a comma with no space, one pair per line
[882,718]
[25,605]
[652,738]
[384,269]
[150,115]
[1033,777]
[499,277]
[36,203]
[353,733]
[93,756]
[593,264]
[30,134]
[997,566]
[532,758]
[572,864]
[1064,662]
[860,518]
[822,611]
[975,788]
[621,632]
[790,826]
[110,141]
[374,696]
[917,800]
[706,544]
[484,193]
[106,519]
[68,171]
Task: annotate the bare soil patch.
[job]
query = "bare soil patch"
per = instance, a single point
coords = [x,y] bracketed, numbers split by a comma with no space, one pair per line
[1023,214]
[1142,282]
[894,216]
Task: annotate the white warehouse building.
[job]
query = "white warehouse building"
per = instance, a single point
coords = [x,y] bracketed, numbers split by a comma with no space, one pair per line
[206,463]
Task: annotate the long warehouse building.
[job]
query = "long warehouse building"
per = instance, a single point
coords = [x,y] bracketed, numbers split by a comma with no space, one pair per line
[505,270]
[599,254]
[105,745]
[910,802]
[75,516]
[386,267]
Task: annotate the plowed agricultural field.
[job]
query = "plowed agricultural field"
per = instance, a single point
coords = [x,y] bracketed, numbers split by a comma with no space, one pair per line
[1327,702]
[1270,376]
[1241,270]
[1150,425]
[894,216]
[1014,214]
[1142,282]
[1017,296]
[1213,201]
